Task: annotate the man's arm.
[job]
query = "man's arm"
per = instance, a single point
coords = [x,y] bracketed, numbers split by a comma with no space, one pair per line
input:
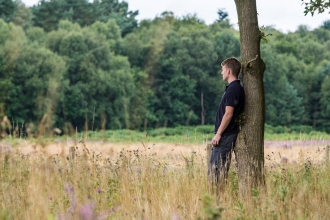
[224,123]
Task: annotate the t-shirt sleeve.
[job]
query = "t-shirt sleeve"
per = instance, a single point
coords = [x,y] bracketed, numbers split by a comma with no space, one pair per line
[232,99]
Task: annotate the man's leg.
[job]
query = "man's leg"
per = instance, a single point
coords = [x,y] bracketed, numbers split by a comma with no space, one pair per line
[220,161]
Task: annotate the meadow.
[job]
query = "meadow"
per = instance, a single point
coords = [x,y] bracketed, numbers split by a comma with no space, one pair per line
[159,174]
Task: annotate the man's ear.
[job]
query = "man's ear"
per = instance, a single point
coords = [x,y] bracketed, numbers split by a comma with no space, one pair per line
[230,72]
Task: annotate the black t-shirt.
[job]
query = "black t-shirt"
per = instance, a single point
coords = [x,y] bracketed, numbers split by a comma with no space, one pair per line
[233,96]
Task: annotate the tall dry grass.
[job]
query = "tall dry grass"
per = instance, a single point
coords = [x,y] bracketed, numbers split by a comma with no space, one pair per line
[140,184]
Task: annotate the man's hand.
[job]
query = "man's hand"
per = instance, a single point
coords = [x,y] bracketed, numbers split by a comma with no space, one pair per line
[216,139]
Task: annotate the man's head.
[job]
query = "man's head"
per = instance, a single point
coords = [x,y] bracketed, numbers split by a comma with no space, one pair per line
[230,69]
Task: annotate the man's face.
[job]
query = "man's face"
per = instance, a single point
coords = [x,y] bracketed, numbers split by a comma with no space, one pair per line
[225,73]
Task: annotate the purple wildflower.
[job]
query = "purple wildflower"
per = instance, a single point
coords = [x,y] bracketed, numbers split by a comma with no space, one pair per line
[87,211]
[98,191]
[72,199]
[175,216]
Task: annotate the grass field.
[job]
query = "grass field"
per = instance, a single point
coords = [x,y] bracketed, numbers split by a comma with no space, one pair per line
[157,175]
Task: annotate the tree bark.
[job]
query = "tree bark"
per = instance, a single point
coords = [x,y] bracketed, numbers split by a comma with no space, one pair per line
[203,110]
[249,149]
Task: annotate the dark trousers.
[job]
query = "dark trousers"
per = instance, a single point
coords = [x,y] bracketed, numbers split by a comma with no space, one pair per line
[220,161]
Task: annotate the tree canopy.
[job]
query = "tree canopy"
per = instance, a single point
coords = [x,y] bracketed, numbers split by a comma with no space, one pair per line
[83,69]
[312,6]
[48,13]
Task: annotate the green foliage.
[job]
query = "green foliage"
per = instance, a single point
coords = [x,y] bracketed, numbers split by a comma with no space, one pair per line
[288,109]
[35,93]
[36,34]
[227,46]
[292,112]
[242,215]
[115,74]
[194,135]
[118,11]
[5,215]
[211,212]
[283,192]
[7,10]
[176,77]
[22,16]
[181,134]
[326,25]
[48,14]
[112,34]
[222,15]
[292,129]
[300,58]
[4,33]
[325,103]
[316,5]
[101,84]
[5,85]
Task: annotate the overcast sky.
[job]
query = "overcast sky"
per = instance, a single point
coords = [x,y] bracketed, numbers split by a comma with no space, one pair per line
[284,15]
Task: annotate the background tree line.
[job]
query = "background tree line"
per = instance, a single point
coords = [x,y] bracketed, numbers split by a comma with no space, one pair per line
[79,64]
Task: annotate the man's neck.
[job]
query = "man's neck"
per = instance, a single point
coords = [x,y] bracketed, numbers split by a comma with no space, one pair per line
[231,79]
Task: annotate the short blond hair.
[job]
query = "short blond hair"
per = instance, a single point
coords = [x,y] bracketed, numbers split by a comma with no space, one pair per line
[233,64]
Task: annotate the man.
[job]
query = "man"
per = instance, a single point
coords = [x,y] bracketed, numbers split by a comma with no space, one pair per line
[226,125]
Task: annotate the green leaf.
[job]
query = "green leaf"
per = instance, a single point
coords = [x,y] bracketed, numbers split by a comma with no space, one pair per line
[264,39]
[51,217]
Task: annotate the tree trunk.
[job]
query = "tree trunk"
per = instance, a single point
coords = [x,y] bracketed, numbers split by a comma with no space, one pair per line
[249,149]
[203,110]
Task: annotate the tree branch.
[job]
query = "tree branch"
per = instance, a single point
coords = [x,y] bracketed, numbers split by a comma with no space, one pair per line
[250,61]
